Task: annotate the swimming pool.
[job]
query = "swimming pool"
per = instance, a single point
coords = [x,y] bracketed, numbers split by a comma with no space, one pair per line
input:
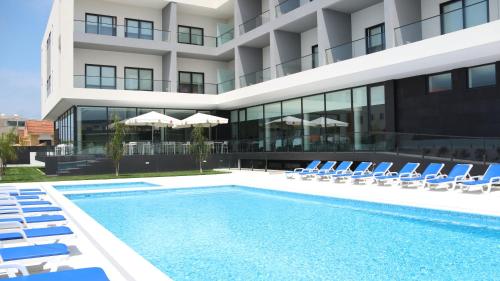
[240,233]
[115,185]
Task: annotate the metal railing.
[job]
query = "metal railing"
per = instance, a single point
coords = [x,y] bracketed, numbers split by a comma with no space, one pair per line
[434,26]
[437,147]
[118,83]
[255,22]
[255,77]
[287,6]
[195,88]
[204,40]
[99,28]
[297,65]
[354,49]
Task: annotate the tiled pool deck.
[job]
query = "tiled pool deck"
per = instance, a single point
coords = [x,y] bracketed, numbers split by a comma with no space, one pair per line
[95,246]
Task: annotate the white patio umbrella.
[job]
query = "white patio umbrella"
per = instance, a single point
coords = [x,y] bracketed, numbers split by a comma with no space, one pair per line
[202,120]
[291,121]
[153,119]
[329,122]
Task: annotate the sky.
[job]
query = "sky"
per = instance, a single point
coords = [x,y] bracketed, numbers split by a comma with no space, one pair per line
[22,24]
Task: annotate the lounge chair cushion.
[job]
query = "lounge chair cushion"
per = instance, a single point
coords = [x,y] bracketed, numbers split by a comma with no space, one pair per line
[84,274]
[28,203]
[37,232]
[31,252]
[37,219]
[27,197]
[476,182]
[30,193]
[442,180]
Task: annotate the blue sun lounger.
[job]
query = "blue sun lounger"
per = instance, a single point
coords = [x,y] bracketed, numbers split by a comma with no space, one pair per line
[6,203]
[342,168]
[16,257]
[313,165]
[432,170]
[459,172]
[407,171]
[380,170]
[327,167]
[84,274]
[34,220]
[28,210]
[18,234]
[490,177]
[361,169]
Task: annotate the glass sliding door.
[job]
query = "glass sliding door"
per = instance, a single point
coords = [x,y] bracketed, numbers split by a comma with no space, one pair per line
[191,82]
[378,118]
[314,122]
[360,117]
[476,12]
[293,124]
[138,79]
[273,127]
[99,24]
[339,120]
[100,76]
[139,29]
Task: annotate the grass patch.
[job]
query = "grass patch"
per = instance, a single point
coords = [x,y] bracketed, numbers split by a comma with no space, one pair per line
[32,174]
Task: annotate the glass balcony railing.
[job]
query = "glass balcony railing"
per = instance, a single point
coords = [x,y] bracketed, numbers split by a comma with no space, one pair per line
[255,77]
[297,65]
[255,22]
[203,40]
[117,83]
[458,19]
[287,6]
[116,30]
[356,48]
[193,88]
[226,86]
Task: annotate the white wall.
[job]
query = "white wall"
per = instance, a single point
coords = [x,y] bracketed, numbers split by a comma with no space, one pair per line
[265,5]
[365,18]
[308,39]
[266,57]
[118,59]
[121,11]
[208,24]
[208,67]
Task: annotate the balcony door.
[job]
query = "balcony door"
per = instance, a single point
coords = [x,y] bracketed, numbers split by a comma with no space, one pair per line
[375,38]
[459,14]
[99,24]
[100,76]
[191,82]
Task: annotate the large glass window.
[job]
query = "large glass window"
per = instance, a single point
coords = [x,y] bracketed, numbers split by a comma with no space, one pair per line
[440,82]
[178,135]
[273,127]
[377,109]
[292,124]
[375,38]
[190,35]
[314,122]
[252,129]
[100,76]
[339,119]
[92,123]
[99,24]
[139,29]
[360,117]
[481,76]
[138,79]
[459,14]
[124,114]
[191,82]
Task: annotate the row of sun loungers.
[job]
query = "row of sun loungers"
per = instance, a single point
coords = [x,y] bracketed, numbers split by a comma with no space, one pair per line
[430,178]
[30,230]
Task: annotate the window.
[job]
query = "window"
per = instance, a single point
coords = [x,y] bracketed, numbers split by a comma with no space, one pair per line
[139,29]
[190,35]
[191,82]
[375,38]
[481,76]
[440,82]
[100,76]
[98,24]
[48,62]
[460,14]
[138,79]
[315,59]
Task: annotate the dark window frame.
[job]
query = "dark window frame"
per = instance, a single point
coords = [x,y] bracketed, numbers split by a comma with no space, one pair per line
[427,84]
[100,76]
[115,23]
[370,49]
[463,6]
[139,78]
[191,81]
[140,28]
[190,35]
[485,86]
[314,63]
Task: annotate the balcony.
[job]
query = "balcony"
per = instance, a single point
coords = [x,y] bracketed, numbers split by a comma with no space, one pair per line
[287,6]
[454,20]
[204,40]
[117,83]
[255,77]
[206,88]
[356,48]
[297,65]
[122,31]
[255,22]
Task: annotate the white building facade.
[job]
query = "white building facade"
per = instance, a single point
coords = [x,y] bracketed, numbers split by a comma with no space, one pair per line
[402,66]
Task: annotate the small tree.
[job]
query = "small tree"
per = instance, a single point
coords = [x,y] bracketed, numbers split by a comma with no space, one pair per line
[199,147]
[7,150]
[115,147]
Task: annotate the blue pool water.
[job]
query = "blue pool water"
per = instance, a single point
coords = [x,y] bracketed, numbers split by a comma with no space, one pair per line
[72,187]
[239,233]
